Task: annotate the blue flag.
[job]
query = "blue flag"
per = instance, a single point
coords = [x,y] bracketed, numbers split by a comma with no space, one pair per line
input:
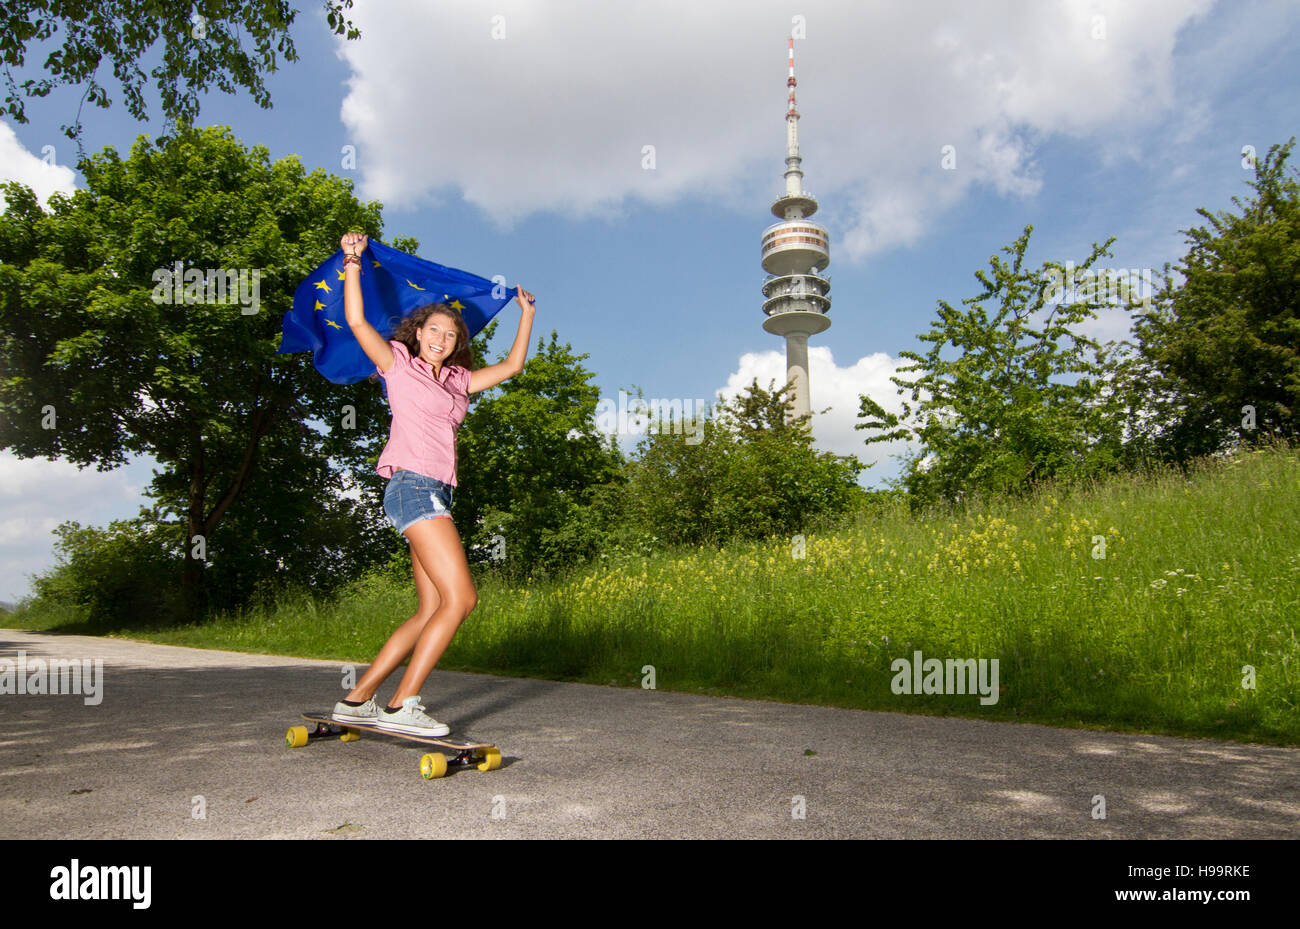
[393,285]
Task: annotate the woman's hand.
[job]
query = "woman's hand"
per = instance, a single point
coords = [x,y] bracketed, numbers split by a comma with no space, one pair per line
[372,343]
[525,300]
[354,243]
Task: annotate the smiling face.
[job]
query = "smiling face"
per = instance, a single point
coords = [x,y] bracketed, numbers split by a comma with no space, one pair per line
[437,338]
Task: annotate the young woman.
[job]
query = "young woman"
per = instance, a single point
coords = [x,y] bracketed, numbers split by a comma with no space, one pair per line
[426,367]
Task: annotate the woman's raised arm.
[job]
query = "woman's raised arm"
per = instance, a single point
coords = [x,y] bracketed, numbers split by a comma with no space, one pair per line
[373,344]
[491,375]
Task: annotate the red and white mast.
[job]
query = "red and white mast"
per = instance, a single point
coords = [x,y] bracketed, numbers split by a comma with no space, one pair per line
[793,169]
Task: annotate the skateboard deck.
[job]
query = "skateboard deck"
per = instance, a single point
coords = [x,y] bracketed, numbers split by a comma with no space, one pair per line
[481,755]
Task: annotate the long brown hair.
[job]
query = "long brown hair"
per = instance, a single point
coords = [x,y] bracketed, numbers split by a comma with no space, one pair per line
[407,332]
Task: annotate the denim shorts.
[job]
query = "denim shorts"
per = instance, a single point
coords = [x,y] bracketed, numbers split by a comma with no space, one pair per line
[411,497]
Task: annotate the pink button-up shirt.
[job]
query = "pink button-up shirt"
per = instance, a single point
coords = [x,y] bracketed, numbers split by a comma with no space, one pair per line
[427,411]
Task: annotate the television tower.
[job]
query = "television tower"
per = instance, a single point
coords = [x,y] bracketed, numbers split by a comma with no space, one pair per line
[794,252]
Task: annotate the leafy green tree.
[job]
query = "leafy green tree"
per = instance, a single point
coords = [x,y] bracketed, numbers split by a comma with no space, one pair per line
[751,474]
[673,480]
[254,447]
[997,418]
[1224,335]
[203,44]
[529,460]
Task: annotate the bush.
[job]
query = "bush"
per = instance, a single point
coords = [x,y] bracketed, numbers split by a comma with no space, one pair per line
[111,577]
[751,475]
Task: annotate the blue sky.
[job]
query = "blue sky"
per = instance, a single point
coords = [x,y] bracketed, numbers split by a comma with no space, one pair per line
[514,145]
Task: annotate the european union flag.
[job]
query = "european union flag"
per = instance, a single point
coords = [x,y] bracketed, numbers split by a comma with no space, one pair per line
[393,285]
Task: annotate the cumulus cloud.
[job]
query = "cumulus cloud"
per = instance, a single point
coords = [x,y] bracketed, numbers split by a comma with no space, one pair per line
[654,101]
[835,403]
[43,176]
[36,495]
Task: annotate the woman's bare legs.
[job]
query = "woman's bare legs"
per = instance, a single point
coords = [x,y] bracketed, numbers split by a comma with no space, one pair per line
[437,545]
[401,642]
[447,596]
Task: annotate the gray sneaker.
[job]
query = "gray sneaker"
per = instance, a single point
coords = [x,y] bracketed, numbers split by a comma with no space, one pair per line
[411,719]
[368,712]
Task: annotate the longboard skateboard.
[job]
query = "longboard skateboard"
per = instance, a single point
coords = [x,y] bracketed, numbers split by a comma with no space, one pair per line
[483,756]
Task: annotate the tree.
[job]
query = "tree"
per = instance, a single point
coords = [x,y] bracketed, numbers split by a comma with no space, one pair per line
[752,474]
[97,362]
[529,461]
[200,48]
[993,419]
[1221,348]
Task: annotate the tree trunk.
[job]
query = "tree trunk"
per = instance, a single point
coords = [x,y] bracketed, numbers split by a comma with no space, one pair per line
[193,595]
[200,524]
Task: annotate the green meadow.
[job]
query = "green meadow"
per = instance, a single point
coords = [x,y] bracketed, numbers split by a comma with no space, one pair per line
[1155,602]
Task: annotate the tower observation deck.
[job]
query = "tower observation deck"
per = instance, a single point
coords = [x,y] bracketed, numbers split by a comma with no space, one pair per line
[795,252]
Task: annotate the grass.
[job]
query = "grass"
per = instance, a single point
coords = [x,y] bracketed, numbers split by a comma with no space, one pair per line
[1140,605]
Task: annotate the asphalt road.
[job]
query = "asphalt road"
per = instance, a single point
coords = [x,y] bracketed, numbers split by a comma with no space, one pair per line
[189,743]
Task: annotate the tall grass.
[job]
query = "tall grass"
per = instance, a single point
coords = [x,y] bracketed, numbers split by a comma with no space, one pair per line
[1142,604]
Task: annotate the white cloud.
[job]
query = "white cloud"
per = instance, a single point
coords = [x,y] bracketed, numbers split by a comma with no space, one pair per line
[1113,323]
[437,104]
[23,478]
[36,495]
[42,176]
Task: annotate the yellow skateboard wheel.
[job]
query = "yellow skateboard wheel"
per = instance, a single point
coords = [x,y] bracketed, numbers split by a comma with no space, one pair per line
[296,736]
[350,736]
[433,765]
[491,760]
